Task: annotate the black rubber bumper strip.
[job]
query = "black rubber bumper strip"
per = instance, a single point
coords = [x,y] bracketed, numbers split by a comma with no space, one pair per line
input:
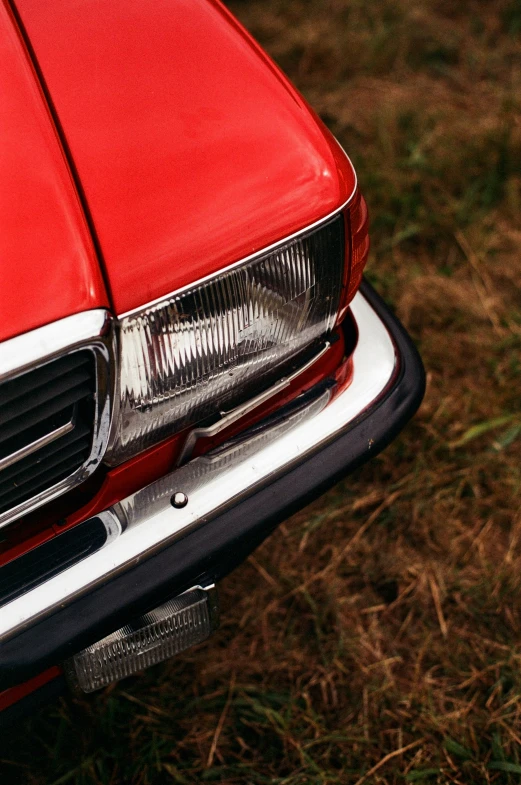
[214,549]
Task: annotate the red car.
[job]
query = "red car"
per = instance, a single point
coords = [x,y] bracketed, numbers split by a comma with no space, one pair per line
[188,353]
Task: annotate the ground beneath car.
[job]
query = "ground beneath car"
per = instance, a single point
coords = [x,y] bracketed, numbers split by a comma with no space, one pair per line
[376,636]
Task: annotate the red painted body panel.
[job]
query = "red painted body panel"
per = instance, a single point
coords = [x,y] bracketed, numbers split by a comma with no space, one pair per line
[48,268]
[14,694]
[192,149]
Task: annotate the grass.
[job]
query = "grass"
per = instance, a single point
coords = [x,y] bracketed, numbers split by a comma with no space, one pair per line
[376,637]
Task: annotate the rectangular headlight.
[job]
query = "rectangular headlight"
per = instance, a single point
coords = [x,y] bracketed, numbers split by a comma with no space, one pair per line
[213,344]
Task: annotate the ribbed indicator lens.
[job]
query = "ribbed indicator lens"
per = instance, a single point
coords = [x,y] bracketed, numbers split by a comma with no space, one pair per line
[160,634]
[208,347]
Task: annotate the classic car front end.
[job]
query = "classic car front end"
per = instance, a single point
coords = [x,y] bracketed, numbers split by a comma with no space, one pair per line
[188,351]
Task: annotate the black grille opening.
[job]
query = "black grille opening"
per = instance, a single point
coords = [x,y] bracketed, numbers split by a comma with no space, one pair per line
[57,397]
[42,563]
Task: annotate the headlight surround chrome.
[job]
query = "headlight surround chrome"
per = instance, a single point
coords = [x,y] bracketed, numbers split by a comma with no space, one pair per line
[214,343]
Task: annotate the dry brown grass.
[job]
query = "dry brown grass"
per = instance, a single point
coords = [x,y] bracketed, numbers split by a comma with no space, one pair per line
[376,637]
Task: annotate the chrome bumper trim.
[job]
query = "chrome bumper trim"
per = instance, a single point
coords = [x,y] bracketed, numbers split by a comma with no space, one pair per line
[227,418]
[214,483]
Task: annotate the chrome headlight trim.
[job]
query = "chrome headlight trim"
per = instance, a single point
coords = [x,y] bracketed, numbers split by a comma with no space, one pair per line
[92,331]
[266,249]
[175,354]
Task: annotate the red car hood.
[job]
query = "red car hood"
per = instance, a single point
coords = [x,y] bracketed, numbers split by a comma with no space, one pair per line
[48,268]
[191,149]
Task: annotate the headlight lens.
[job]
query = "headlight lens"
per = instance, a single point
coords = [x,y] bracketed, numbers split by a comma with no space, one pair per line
[211,345]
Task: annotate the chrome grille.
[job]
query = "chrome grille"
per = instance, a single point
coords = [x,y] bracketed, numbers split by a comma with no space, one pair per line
[56,393]
[46,426]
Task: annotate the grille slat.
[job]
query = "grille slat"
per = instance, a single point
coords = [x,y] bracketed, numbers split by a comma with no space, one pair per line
[41,395]
[46,374]
[34,405]
[41,468]
[45,480]
[46,413]
[79,434]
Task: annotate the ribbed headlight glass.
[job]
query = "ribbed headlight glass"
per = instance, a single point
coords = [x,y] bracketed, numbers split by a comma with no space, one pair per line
[208,347]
